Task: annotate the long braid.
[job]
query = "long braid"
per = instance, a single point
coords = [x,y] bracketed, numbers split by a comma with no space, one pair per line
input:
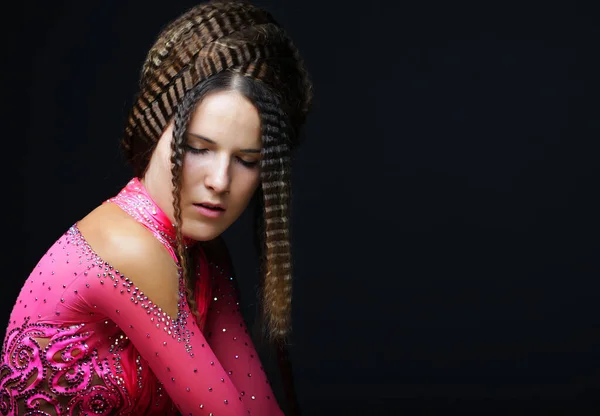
[275,179]
[273,224]
[182,120]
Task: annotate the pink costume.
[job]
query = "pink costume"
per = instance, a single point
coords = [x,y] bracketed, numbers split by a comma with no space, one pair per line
[84,340]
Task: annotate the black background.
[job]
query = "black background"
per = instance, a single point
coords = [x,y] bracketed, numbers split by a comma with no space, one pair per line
[445,213]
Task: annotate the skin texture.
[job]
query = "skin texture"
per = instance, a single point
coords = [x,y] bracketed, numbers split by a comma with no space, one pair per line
[224,173]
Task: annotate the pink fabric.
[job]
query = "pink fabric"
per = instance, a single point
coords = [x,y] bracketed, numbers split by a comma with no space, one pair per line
[82,338]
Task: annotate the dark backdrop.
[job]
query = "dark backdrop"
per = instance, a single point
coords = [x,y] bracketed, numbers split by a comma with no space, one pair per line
[446,212]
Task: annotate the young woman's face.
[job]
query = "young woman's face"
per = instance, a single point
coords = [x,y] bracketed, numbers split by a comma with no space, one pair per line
[221,165]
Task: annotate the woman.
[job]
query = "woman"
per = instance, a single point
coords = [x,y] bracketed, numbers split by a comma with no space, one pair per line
[134,309]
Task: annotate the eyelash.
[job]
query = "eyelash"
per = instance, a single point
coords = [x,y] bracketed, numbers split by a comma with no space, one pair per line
[204,151]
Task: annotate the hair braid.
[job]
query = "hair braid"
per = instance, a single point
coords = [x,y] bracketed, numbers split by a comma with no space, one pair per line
[187,263]
[179,59]
[276,203]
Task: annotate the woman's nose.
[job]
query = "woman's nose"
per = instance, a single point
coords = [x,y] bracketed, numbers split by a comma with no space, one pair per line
[218,178]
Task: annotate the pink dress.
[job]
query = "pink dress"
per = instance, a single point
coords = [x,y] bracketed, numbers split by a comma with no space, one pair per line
[84,340]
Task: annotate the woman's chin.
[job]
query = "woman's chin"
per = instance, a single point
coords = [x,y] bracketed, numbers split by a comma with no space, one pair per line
[201,232]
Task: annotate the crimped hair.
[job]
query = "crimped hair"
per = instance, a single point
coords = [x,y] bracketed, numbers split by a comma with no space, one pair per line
[222,45]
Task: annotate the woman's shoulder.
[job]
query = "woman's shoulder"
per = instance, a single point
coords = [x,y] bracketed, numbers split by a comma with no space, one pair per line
[113,233]
[127,246]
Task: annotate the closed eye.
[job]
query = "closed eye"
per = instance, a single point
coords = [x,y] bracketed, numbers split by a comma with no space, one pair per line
[243,162]
[194,150]
[246,163]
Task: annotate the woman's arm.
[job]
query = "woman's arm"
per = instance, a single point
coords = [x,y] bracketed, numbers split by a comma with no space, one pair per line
[141,298]
[228,336]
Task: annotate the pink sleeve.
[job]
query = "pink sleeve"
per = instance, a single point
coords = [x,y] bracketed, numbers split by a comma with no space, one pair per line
[228,336]
[176,351]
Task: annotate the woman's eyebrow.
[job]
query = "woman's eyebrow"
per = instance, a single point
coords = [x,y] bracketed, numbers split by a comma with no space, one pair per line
[206,139]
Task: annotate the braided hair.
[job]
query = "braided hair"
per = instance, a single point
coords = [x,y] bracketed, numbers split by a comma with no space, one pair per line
[229,45]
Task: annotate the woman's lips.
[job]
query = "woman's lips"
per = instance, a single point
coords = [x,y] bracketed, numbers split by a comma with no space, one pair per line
[210,210]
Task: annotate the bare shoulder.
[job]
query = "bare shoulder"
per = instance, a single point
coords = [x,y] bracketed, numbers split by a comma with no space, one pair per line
[130,248]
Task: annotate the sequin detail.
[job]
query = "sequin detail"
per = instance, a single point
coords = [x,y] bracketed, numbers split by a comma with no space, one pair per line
[62,377]
[134,200]
[81,320]
[173,327]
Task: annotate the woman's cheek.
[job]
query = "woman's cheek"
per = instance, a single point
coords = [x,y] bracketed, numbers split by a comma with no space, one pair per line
[192,166]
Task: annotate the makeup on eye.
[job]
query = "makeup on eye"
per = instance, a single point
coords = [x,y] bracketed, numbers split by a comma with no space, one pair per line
[244,162]
[247,163]
[194,150]
[193,136]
